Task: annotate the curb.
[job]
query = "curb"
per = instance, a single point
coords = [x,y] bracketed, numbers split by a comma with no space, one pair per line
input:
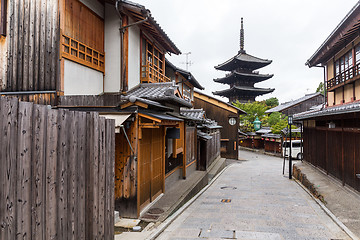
[329,213]
[170,219]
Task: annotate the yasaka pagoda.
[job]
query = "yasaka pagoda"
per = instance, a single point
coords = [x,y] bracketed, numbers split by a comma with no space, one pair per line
[242,76]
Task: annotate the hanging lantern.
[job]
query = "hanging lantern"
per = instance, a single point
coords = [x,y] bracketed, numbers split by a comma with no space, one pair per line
[257,124]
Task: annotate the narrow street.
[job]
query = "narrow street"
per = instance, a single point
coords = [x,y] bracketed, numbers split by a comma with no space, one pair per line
[258,203]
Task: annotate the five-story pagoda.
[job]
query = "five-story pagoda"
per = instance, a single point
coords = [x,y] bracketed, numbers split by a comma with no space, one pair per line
[243,76]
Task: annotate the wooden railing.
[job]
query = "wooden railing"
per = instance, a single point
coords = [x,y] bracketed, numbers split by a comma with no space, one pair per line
[344,76]
[152,74]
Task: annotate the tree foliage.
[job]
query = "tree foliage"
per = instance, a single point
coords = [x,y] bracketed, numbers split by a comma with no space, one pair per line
[253,110]
[272,102]
[276,120]
[320,88]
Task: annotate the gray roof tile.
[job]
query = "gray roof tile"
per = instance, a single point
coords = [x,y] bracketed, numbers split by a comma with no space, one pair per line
[159,92]
[286,105]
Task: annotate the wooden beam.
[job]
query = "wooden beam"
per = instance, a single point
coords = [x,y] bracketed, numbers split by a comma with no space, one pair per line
[149,117]
[128,104]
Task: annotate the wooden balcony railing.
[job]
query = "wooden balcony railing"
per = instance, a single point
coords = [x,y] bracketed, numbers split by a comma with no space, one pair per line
[344,76]
[152,74]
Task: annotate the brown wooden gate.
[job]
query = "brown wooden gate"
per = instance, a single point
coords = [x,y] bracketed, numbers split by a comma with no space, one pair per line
[151,165]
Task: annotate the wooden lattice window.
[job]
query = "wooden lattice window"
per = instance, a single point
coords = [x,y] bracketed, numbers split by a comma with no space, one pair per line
[3,16]
[83,54]
[152,63]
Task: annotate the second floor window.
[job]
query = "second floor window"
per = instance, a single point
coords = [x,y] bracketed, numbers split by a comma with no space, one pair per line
[343,64]
[152,63]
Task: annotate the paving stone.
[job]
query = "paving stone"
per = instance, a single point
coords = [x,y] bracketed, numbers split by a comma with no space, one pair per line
[264,205]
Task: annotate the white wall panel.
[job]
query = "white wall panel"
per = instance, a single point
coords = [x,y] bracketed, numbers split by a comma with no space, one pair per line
[112,50]
[81,80]
[134,57]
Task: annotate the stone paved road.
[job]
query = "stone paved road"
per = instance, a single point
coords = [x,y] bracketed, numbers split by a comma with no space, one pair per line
[264,205]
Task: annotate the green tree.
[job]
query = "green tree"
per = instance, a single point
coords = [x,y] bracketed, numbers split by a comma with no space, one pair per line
[320,88]
[272,102]
[277,122]
[253,110]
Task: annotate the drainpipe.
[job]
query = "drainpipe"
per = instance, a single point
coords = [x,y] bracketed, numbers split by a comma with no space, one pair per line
[117,4]
[325,88]
[122,31]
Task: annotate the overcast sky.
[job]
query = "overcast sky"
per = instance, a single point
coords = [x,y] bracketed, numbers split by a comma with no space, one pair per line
[285,31]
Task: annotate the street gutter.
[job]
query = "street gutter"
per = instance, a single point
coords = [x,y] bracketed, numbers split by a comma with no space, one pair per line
[329,213]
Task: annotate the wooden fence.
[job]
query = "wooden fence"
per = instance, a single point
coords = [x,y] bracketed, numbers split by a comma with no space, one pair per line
[336,151]
[56,173]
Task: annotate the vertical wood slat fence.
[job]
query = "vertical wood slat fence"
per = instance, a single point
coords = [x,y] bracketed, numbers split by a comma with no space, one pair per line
[56,173]
[335,151]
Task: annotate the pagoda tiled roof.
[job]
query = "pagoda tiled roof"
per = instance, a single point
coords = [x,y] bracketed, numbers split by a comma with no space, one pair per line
[243,60]
[248,90]
[235,75]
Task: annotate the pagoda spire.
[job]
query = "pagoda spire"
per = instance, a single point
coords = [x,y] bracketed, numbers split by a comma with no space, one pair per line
[242,37]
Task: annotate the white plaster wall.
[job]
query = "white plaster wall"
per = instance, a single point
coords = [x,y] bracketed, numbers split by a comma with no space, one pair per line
[134,56]
[112,50]
[81,80]
[95,6]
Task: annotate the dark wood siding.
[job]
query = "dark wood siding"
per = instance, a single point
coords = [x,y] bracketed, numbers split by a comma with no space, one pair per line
[32,46]
[304,106]
[221,116]
[336,151]
[56,174]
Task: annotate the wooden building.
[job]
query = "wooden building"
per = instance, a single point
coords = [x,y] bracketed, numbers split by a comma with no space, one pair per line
[50,49]
[331,135]
[242,76]
[227,116]
[106,56]
[299,105]
[208,137]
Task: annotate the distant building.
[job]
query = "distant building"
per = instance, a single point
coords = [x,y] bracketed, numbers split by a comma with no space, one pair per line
[243,76]
[299,105]
[227,116]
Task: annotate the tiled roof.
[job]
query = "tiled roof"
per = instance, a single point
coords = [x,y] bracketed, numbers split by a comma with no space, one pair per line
[345,32]
[263,130]
[253,77]
[186,75]
[245,60]
[271,135]
[247,89]
[146,101]
[334,110]
[159,92]
[286,105]
[195,114]
[139,12]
